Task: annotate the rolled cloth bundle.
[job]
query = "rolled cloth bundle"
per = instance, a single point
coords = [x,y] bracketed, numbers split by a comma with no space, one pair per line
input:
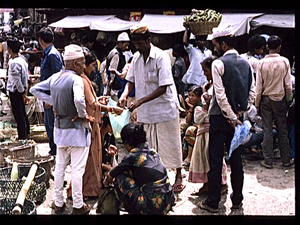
[139,28]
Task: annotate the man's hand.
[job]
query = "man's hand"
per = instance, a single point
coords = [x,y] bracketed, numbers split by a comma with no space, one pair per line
[117,110]
[234,123]
[134,105]
[26,99]
[86,118]
[122,102]
[47,106]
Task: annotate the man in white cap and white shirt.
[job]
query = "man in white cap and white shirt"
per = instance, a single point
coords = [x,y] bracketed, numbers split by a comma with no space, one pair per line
[116,60]
[71,130]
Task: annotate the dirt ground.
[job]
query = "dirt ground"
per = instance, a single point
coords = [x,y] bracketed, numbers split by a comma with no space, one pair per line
[267,192]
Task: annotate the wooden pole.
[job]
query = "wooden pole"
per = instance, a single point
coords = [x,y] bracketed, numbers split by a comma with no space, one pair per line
[22,195]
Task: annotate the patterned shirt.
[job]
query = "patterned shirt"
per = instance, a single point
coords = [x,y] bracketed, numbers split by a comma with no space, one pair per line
[144,164]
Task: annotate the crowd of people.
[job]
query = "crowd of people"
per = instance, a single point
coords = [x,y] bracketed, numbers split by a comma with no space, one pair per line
[183,115]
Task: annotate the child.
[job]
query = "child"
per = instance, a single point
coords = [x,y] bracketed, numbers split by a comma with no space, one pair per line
[188,129]
[199,166]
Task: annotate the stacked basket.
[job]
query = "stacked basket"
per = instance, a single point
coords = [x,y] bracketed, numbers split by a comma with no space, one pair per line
[201,22]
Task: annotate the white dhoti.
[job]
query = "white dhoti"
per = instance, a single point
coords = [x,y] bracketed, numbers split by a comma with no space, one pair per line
[165,139]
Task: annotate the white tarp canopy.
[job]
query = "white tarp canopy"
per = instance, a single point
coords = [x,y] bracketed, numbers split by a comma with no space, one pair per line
[241,23]
[164,24]
[112,24]
[94,22]
[274,20]
[238,22]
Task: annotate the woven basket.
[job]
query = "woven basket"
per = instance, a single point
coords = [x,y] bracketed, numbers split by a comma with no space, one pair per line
[11,188]
[44,161]
[202,27]
[7,205]
[18,149]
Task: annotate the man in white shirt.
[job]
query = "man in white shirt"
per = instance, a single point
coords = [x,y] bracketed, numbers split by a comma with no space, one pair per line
[71,131]
[17,87]
[195,75]
[156,100]
[255,46]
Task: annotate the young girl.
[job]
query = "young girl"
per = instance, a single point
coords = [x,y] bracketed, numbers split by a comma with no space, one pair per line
[188,129]
[199,166]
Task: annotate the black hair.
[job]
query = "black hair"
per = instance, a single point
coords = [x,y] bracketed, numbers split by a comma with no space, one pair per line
[14,44]
[255,42]
[179,49]
[89,56]
[229,40]
[133,134]
[46,34]
[139,37]
[208,61]
[201,37]
[274,42]
[197,89]
[86,39]
[105,120]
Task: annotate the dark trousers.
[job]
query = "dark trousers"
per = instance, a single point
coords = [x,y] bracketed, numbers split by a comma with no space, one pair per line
[274,111]
[18,110]
[220,135]
[49,125]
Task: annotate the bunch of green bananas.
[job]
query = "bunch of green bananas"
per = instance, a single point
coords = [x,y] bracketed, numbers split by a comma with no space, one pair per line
[203,15]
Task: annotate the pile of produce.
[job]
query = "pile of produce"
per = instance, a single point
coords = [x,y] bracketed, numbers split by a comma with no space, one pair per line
[203,15]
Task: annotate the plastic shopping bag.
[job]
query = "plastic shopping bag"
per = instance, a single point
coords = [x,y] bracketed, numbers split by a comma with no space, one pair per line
[240,135]
[118,121]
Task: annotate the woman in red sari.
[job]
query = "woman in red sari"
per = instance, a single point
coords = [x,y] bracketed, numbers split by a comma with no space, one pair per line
[92,177]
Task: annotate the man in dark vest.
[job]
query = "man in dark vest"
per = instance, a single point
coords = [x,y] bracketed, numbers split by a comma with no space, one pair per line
[71,127]
[116,60]
[233,94]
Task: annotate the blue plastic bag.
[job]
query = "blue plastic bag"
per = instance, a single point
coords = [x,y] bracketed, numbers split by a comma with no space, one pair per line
[240,135]
[118,121]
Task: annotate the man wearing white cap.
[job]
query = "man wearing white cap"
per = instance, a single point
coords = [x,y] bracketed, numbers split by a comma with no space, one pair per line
[71,130]
[116,60]
[233,94]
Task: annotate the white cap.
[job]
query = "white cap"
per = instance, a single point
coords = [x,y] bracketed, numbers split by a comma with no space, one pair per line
[72,51]
[123,37]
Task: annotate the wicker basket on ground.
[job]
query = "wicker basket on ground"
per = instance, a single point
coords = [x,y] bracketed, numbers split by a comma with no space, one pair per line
[7,205]
[18,149]
[202,27]
[44,161]
[11,188]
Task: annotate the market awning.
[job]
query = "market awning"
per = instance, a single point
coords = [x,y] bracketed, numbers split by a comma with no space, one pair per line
[112,24]
[101,23]
[79,21]
[274,20]
[238,22]
[164,24]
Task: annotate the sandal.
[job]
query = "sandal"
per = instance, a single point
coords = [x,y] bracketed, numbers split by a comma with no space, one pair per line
[177,188]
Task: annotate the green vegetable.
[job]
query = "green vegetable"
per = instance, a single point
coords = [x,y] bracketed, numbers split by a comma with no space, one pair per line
[203,15]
